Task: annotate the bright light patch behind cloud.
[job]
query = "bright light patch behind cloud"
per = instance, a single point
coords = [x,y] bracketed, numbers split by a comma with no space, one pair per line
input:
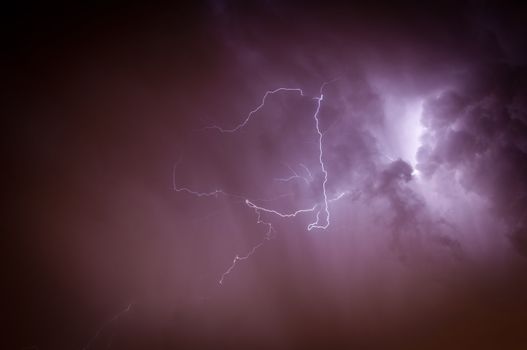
[403,128]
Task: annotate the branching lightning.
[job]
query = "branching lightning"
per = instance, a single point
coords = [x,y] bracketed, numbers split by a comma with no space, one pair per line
[321,209]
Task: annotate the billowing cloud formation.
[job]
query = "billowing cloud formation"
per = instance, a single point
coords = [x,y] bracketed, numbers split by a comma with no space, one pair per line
[424,138]
[478,132]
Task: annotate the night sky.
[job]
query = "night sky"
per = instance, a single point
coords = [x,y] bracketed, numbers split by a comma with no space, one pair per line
[264,175]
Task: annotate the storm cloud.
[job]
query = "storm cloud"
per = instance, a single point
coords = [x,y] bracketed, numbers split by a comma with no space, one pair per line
[115,113]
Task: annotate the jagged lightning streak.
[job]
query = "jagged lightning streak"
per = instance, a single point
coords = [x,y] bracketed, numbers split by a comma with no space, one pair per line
[105,324]
[318,207]
[251,113]
[282,215]
[214,193]
[316,224]
[238,258]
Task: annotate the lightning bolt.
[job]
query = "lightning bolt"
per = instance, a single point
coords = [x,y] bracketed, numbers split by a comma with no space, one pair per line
[251,113]
[316,224]
[238,258]
[322,216]
[105,325]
